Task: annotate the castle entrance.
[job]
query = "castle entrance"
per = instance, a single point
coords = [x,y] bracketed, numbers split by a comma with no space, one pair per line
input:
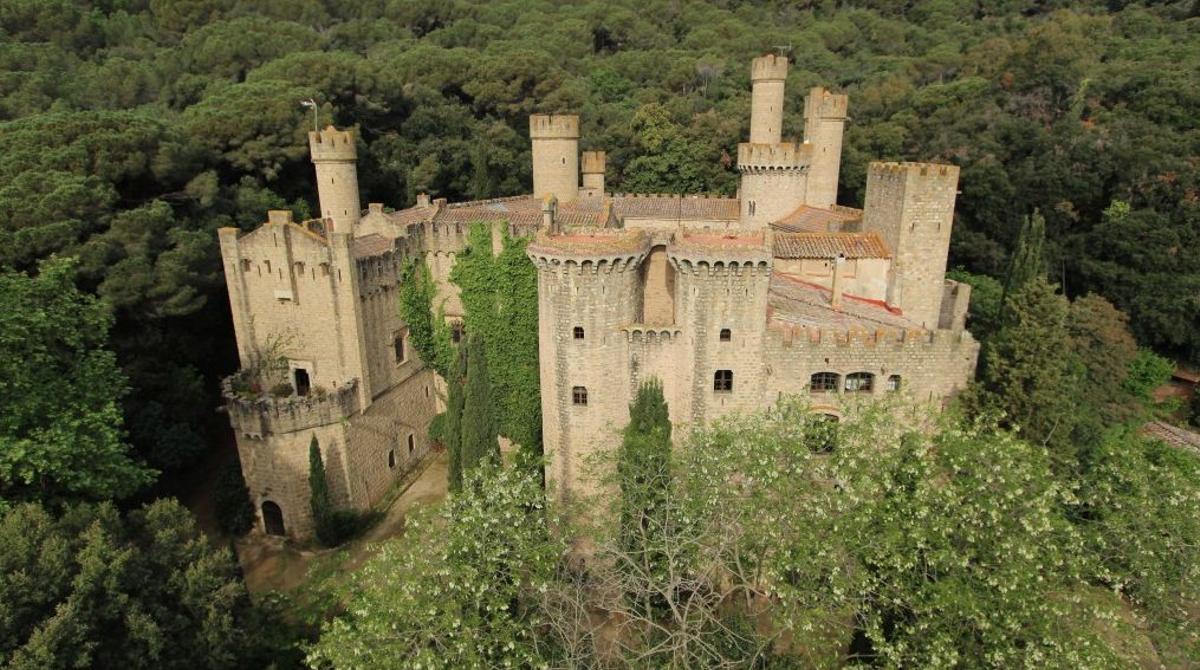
[272,518]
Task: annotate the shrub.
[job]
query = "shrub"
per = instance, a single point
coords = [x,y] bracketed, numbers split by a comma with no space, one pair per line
[437,429]
[282,390]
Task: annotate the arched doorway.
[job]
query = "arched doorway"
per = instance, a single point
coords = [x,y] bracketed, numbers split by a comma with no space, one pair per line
[272,518]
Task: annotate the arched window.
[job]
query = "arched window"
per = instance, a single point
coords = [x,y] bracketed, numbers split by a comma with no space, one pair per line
[391,458]
[859,382]
[723,381]
[824,382]
[272,518]
[726,335]
[412,443]
[893,383]
[579,395]
[578,332]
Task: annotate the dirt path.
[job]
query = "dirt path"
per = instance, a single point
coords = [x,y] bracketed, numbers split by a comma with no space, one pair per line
[272,564]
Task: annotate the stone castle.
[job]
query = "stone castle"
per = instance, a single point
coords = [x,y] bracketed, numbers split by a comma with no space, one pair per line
[730,302]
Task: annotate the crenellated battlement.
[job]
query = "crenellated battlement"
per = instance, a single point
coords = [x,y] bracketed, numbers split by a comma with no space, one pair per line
[716,254]
[769,68]
[257,415]
[830,338]
[784,156]
[332,144]
[904,170]
[593,162]
[554,126]
[820,103]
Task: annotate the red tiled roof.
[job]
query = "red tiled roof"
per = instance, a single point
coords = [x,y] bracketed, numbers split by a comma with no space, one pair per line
[797,302]
[683,207]
[808,219]
[829,245]
[1173,436]
[370,245]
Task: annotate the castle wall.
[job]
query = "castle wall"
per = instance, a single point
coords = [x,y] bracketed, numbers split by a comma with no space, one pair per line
[863,277]
[932,366]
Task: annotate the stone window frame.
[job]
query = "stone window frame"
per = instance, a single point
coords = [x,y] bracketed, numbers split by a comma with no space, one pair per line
[726,335]
[577,333]
[859,382]
[830,382]
[894,383]
[723,381]
[400,346]
[391,458]
[579,396]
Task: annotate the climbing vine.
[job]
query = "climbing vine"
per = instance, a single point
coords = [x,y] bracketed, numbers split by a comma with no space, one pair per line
[499,296]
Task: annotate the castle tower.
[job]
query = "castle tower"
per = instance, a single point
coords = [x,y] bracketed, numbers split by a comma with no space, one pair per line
[774,178]
[555,156]
[334,156]
[593,173]
[767,76]
[911,206]
[824,120]
[587,293]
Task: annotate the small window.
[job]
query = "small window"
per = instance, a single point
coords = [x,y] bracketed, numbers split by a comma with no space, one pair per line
[859,382]
[412,443]
[456,331]
[324,269]
[723,381]
[391,458]
[246,264]
[579,395]
[726,335]
[751,208]
[303,383]
[824,382]
[299,268]
[267,265]
[578,332]
[398,347]
[893,383]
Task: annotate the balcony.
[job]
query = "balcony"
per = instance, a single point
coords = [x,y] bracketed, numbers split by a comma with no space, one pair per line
[255,413]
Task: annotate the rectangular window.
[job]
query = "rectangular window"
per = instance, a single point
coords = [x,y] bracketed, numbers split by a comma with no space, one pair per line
[723,381]
[398,347]
[579,395]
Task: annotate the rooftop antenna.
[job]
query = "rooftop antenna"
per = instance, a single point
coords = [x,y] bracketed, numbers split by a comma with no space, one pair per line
[316,112]
[781,48]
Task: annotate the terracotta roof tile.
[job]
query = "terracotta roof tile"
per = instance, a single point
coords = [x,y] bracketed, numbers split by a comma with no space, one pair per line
[1173,436]
[829,245]
[370,245]
[808,219]
[796,302]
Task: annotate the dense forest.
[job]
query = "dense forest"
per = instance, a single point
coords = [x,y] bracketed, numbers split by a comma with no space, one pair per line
[133,129]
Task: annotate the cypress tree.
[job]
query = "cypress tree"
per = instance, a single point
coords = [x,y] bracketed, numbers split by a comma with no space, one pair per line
[643,467]
[454,412]
[479,428]
[318,488]
[1028,262]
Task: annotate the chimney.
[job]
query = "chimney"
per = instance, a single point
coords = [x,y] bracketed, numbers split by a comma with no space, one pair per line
[279,216]
[422,200]
[836,299]
[549,209]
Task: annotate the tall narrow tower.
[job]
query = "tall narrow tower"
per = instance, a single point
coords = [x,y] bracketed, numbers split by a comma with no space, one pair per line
[767,76]
[824,120]
[334,156]
[593,173]
[555,156]
[911,206]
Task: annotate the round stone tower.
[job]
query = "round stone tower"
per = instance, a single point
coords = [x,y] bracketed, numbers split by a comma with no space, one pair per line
[555,141]
[334,156]
[767,76]
[824,120]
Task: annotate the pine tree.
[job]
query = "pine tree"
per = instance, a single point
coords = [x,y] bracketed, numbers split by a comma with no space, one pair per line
[643,467]
[479,427]
[454,412]
[1027,261]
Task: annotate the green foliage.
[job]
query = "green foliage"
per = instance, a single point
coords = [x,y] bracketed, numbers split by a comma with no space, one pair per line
[1028,261]
[499,295]
[1027,376]
[437,429]
[479,446]
[643,465]
[455,401]
[61,431]
[417,296]
[461,589]
[1146,372]
[1105,348]
[987,293]
[231,500]
[93,588]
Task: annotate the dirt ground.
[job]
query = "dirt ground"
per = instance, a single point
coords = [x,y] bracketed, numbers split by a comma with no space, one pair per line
[274,564]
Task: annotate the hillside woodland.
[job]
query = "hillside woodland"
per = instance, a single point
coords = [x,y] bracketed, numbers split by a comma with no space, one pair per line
[133,129]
